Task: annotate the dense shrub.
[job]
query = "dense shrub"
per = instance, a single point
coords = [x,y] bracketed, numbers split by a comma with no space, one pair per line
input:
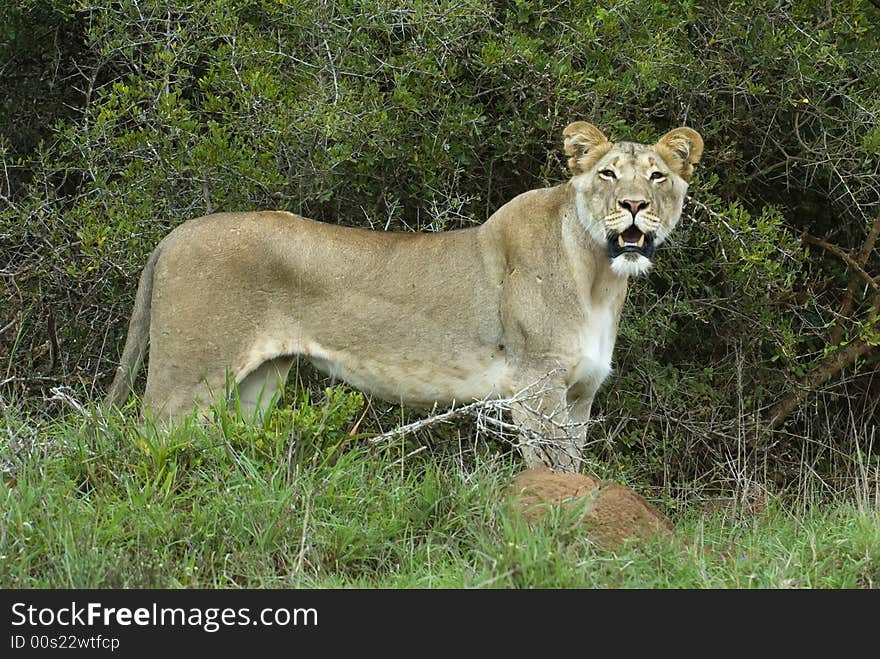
[429,115]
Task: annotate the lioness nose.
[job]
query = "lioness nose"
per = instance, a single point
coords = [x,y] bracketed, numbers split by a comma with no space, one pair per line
[634,205]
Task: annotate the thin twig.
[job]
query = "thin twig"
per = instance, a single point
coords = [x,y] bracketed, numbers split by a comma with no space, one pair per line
[445,417]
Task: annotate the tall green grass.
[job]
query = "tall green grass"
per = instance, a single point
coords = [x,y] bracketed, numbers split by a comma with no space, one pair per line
[96,500]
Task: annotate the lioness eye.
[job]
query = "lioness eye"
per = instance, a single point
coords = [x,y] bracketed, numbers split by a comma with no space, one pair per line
[607,173]
[656,176]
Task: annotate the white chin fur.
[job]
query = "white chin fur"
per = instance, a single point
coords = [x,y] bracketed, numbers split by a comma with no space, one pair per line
[630,265]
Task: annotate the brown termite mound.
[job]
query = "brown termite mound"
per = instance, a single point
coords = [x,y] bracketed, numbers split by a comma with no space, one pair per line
[611,513]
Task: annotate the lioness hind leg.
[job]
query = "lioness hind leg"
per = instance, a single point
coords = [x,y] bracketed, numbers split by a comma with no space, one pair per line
[260,388]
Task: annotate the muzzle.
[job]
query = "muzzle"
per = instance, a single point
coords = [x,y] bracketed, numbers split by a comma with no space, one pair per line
[631,241]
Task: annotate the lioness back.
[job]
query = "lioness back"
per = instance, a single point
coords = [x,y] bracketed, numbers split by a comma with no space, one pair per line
[400,315]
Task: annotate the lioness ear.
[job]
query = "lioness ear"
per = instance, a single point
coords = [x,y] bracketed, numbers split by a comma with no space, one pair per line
[584,145]
[681,148]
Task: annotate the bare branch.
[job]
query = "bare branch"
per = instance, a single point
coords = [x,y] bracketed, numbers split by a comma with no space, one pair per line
[825,370]
[838,360]
[554,430]
[873,282]
[849,295]
[448,416]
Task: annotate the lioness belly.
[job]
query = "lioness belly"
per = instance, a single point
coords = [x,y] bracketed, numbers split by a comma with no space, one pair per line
[418,381]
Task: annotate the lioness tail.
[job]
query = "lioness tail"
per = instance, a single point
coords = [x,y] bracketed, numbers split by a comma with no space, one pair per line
[137,339]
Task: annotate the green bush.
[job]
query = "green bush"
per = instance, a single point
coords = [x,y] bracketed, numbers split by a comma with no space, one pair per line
[429,115]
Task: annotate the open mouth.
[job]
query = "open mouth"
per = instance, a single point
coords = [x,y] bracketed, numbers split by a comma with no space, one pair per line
[631,241]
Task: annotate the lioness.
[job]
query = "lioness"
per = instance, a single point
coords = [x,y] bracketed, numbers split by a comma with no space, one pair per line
[530,298]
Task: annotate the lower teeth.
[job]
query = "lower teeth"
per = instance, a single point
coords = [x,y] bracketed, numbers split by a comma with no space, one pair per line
[623,243]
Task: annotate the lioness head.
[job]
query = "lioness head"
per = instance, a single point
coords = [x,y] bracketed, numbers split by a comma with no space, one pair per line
[629,196]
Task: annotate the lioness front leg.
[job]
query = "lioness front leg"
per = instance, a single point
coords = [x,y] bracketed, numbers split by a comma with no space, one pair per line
[552,430]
